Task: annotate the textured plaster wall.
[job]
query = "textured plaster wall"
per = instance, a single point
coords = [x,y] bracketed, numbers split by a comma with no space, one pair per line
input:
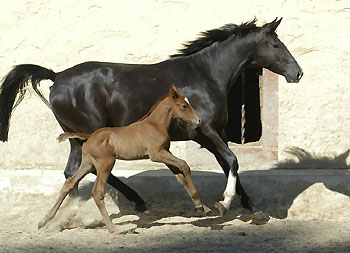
[313,115]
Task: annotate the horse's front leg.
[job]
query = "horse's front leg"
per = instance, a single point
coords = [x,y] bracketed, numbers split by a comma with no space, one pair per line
[183,174]
[212,141]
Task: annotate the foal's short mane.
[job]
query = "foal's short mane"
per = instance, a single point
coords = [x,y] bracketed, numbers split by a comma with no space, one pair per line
[153,107]
[209,37]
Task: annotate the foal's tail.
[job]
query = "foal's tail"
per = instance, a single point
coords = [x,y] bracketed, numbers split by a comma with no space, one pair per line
[15,83]
[65,136]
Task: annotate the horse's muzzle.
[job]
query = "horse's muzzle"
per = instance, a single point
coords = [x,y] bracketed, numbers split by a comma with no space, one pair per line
[297,78]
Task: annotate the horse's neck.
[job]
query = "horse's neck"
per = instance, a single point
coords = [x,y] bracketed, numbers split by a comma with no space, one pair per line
[224,61]
[161,114]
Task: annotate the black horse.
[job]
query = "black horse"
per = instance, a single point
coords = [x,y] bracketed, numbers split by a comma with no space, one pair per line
[92,95]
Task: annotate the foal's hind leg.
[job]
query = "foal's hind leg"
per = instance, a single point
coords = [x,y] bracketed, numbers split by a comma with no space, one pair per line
[74,162]
[104,168]
[85,168]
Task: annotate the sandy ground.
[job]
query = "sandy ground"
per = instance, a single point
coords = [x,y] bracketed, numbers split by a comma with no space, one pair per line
[78,227]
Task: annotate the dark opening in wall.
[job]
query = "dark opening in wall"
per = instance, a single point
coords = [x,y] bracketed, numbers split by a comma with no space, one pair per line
[244,104]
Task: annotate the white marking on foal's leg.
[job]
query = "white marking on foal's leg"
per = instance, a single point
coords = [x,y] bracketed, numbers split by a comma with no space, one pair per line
[230,191]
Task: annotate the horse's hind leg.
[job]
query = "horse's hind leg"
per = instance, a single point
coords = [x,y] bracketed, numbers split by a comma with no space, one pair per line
[85,168]
[104,168]
[73,163]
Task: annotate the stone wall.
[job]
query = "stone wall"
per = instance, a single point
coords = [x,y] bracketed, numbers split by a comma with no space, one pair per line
[313,115]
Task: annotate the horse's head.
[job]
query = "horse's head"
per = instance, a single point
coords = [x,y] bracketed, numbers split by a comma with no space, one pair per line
[182,108]
[272,54]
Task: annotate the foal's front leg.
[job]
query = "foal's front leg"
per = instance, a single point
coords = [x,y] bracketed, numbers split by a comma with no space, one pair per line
[182,180]
[185,179]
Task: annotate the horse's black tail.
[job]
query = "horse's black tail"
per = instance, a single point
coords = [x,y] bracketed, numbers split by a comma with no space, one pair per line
[15,83]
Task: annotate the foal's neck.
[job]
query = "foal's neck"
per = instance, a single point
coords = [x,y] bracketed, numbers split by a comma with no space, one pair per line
[162,114]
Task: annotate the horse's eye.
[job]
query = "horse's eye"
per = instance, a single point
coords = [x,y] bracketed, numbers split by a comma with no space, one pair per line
[275,46]
[184,107]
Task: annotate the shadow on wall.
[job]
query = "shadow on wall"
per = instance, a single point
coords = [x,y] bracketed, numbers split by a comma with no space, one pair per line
[305,160]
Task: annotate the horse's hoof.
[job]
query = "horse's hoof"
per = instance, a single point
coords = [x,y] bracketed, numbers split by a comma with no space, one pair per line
[207,210]
[259,218]
[141,208]
[221,208]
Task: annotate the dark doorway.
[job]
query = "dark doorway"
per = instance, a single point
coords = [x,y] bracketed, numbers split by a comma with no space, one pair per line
[245,93]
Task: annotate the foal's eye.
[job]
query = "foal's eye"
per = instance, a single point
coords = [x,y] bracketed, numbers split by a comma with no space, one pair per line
[184,107]
[275,46]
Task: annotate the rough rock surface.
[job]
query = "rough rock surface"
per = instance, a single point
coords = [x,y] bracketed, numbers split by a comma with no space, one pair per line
[319,203]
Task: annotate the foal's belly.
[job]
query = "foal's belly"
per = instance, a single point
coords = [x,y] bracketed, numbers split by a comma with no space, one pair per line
[130,152]
[128,157]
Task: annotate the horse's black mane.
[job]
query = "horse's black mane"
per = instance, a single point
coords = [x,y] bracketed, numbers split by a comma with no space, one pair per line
[209,37]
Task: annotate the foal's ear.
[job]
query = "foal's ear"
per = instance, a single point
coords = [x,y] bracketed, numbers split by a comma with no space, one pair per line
[271,27]
[174,94]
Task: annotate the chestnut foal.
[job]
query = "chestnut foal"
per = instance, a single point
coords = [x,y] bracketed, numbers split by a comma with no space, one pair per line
[146,138]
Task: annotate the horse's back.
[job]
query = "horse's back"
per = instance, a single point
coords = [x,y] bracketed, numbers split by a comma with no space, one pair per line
[111,94]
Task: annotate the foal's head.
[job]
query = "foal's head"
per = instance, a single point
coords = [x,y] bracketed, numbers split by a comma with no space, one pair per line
[182,108]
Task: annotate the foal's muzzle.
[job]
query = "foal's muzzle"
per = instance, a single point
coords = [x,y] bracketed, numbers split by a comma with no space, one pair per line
[196,122]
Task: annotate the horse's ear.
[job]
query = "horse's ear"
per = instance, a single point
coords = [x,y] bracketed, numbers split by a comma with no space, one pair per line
[271,27]
[277,23]
[173,92]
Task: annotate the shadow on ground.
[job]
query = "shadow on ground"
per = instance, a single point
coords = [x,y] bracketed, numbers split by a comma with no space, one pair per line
[272,191]
[165,198]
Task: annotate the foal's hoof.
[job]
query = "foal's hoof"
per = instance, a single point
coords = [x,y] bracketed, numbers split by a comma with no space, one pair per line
[221,208]
[259,218]
[207,210]
[204,210]
[141,208]
[41,224]
[123,229]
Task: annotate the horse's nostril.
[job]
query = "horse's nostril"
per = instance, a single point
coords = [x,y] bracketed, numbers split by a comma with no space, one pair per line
[300,74]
